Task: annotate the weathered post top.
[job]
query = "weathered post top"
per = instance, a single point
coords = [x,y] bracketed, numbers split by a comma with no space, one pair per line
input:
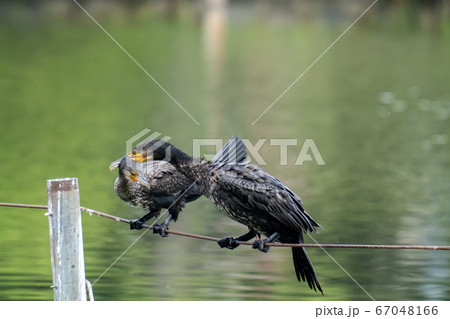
[62,184]
[66,239]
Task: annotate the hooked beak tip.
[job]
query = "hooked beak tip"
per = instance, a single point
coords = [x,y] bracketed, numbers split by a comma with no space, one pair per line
[114,164]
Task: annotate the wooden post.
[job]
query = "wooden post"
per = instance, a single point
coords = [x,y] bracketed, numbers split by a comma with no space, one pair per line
[66,239]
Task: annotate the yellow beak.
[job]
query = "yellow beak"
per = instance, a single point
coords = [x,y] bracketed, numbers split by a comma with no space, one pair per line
[137,157]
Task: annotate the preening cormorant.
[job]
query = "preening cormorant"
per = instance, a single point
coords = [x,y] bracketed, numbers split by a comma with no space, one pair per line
[251,197]
[162,186]
[167,188]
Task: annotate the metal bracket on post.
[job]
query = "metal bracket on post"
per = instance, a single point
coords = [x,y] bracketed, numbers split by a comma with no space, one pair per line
[66,239]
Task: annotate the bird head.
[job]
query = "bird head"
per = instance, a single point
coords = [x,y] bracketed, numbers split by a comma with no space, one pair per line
[153,150]
[127,168]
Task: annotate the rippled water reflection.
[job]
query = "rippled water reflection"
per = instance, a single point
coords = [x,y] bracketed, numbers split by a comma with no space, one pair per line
[377,107]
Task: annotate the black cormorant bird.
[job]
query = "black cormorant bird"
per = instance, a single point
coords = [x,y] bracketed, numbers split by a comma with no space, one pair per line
[162,186]
[250,196]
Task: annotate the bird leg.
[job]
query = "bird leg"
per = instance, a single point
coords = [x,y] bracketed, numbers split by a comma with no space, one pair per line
[260,243]
[231,242]
[137,223]
[161,229]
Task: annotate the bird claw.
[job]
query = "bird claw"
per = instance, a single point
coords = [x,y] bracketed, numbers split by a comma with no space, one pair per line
[160,229]
[261,245]
[136,224]
[228,242]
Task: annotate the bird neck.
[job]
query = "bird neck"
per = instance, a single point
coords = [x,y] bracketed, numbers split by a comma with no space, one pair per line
[178,157]
[122,186]
[122,179]
[194,169]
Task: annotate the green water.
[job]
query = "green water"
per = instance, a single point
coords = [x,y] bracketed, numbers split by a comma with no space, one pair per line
[377,106]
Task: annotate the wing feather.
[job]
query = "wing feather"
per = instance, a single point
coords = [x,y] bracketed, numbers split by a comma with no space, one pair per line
[258,191]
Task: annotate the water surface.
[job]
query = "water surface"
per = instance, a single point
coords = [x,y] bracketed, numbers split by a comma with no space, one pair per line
[376,105]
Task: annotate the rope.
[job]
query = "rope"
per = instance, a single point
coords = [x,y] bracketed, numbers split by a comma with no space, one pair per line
[202,237]
[24,205]
[89,290]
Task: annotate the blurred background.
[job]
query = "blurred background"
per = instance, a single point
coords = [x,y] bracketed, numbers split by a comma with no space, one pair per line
[377,105]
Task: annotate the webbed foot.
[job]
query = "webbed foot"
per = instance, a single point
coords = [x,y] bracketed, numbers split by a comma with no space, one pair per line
[136,224]
[228,242]
[260,245]
[160,229]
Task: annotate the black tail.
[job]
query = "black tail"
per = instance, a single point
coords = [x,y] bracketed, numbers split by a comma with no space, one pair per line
[233,151]
[304,268]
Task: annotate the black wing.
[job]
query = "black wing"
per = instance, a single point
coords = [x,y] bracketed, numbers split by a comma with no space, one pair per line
[256,190]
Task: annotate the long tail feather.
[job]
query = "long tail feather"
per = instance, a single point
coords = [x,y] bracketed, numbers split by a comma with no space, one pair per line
[233,151]
[304,268]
